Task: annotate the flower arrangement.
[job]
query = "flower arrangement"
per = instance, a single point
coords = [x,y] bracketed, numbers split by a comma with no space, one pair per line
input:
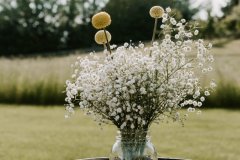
[135,86]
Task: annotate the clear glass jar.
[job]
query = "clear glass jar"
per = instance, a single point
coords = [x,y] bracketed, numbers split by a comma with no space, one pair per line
[133,145]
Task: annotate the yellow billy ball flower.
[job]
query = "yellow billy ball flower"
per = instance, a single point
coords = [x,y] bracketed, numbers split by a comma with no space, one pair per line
[101,20]
[156,12]
[100,37]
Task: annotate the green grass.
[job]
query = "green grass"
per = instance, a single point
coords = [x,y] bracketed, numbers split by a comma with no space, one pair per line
[40,80]
[40,133]
[226,94]
[34,80]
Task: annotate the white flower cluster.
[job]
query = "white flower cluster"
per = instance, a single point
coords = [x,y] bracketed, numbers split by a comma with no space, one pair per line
[137,85]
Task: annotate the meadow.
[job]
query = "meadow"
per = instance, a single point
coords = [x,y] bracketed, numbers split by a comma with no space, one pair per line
[40,80]
[40,133]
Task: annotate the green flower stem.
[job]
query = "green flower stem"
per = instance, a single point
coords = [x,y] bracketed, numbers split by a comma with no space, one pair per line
[154,30]
[108,45]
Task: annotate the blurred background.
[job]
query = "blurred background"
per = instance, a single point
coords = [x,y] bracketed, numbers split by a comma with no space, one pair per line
[40,39]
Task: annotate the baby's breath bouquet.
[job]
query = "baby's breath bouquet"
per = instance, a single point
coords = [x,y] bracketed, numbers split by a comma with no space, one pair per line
[134,86]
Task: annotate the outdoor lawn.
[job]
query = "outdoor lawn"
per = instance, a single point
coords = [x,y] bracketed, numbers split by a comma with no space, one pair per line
[127,61]
[37,133]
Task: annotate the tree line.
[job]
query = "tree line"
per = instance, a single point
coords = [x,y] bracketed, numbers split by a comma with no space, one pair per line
[29,27]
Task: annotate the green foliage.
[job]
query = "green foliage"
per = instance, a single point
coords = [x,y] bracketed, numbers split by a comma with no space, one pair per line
[209,28]
[226,27]
[44,25]
[131,20]
[230,24]
[28,27]
[226,96]
[230,6]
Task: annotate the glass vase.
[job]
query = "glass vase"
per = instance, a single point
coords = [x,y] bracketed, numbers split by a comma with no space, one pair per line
[133,145]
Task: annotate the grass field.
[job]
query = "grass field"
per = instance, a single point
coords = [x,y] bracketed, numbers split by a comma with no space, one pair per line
[40,80]
[40,133]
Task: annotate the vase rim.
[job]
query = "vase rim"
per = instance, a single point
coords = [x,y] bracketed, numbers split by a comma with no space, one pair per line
[136,133]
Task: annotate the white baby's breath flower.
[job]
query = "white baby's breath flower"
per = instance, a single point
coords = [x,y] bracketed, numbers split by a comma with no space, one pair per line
[167,36]
[123,125]
[141,45]
[74,91]
[207,93]
[202,99]
[183,20]
[196,32]
[114,99]
[209,69]
[119,110]
[179,24]
[189,35]
[210,45]
[164,20]
[178,43]
[132,126]
[195,103]
[113,46]
[165,16]
[155,43]
[199,104]
[177,36]
[213,85]
[168,9]
[173,21]
[117,118]
[162,26]
[142,90]
[136,85]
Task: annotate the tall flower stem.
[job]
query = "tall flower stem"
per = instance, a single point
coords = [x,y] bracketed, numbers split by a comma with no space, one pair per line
[108,45]
[154,30]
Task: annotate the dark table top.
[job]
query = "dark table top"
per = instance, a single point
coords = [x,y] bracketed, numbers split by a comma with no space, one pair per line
[105,158]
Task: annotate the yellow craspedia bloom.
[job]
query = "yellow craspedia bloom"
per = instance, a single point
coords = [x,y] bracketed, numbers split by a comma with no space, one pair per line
[101,20]
[156,12]
[100,37]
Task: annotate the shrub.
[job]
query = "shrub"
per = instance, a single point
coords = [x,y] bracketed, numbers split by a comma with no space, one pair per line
[227,95]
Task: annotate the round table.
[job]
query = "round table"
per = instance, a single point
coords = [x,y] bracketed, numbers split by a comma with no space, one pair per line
[105,158]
